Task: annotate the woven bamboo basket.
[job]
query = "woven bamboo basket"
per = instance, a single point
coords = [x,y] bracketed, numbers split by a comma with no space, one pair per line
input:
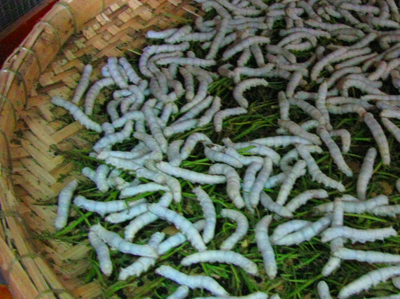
[48,63]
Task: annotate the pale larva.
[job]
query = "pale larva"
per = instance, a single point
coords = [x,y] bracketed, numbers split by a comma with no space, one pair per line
[312,111]
[245,43]
[323,290]
[107,128]
[251,72]
[305,196]
[209,114]
[181,223]
[93,92]
[146,218]
[281,141]
[233,182]
[368,280]
[136,208]
[64,201]
[192,176]
[284,106]
[102,251]
[341,72]
[112,63]
[77,114]
[334,151]
[149,187]
[256,295]
[293,83]
[186,61]
[306,233]
[264,246]
[379,137]
[180,293]
[325,61]
[174,155]
[114,240]
[197,109]
[345,136]
[259,183]
[151,143]
[193,282]
[269,204]
[219,256]
[287,228]
[180,127]
[130,72]
[219,116]
[367,256]
[392,128]
[241,230]
[297,130]
[366,173]
[216,43]
[100,207]
[293,174]
[110,140]
[101,178]
[153,125]
[188,82]
[83,84]
[217,156]
[357,207]
[132,115]
[356,235]
[142,264]
[244,85]
[209,214]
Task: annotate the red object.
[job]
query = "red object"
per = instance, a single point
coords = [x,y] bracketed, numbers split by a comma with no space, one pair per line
[4,292]
[12,36]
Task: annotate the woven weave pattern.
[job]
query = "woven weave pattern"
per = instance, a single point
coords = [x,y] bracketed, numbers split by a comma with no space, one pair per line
[32,172]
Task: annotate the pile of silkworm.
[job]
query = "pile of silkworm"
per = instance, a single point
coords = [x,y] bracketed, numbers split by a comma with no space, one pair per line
[170,94]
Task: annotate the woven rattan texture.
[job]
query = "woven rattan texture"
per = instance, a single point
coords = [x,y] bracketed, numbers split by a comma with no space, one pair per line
[32,174]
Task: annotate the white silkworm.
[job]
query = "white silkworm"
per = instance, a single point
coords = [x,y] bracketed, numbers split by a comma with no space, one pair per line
[93,92]
[248,181]
[209,214]
[325,61]
[193,282]
[181,223]
[390,113]
[217,156]
[392,128]
[192,176]
[130,72]
[174,154]
[83,84]
[356,235]
[64,201]
[367,256]
[241,230]
[284,106]
[269,204]
[287,228]
[180,293]
[244,85]
[281,141]
[379,137]
[188,82]
[154,126]
[315,172]
[334,151]
[313,112]
[109,140]
[209,114]
[297,130]
[366,173]
[102,251]
[323,290]
[114,240]
[99,207]
[232,180]
[264,246]
[290,179]
[77,114]
[179,127]
[294,155]
[160,34]
[259,183]
[134,209]
[101,178]
[245,43]
[219,256]
[197,109]
[113,68]
[368,280]
[256,295]
[186,61]
[305,196]
[132,115]
[219,116]
[345,136]
[149,187]
[306,233]
[357,207]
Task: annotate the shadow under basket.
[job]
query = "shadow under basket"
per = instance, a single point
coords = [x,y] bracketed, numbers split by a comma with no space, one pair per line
[49,62]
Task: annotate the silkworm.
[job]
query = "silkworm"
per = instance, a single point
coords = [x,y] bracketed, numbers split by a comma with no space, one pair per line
[323,290]
[178,35]
[325,61]
[189,83]
[244,85]
[312,111]
[297,130]
[294,155]
[142,264]
[232,180]
[357,207]
[64,201]
[379,137]
[287,228]
[269,204]
[356,235]
[179,127]
[197,109]
[174,154]
[245,43]
[259,183]
[186,61]
[114,240]
[256,295]
[306,233]
[102,251]
[113,68]
[146,218]
[241,230]
[315,172]
[180,293]
[109,140]
[217,156]
[303,197]
[345,136]
[93,92]
[219,116]
[99,207]
[367,256]
[83,84]
[368,280]
[192,176]
[280,141]
[209,114]
[131,210]
[219,256]
[149,187]
[181,223]
[334,151]
[77,114]
[366,173]
[209,214]
[193,282]
[154,126]
[264,246]
[290,179]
